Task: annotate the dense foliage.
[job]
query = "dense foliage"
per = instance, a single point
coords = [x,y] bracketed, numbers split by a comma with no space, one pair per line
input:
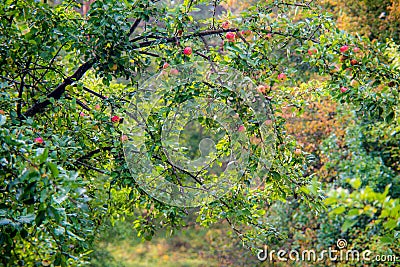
[66,81]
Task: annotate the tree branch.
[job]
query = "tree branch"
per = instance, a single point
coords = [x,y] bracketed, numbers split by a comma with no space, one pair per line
[60,89]
[92,153]
[93,93]
[188,36]
[21,88]
[134,26]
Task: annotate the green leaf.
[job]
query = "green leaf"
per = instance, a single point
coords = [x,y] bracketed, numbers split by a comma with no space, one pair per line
[5,222]
[387,240]
[53,169]
[390,224]
[355,183]
[40,217]
[389,118]
[27,218]
[71,234]
[338,210]
[59,231]
[2,120]
[330,200]
[354,212]
[42,154]
[348,224]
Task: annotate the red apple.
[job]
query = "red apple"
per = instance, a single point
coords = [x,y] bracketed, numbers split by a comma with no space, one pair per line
[187,51]
[115,118]
[38,140]
[343,89]
[82,114]
[166,65]
[356,49]
[344,48]
[225,25]
[312,51]
[241,128]
[174,72]
[2,112]
[261,89]
[353,62]
[230,36]
[282,76]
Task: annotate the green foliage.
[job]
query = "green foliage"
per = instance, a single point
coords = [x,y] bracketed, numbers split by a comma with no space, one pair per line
[44,209]
[66,80]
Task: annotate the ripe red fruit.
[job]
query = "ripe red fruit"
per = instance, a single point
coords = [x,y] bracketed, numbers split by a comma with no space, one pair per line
[241,128]
[344,48]
[230,36]
[39,140]
[82,114]
[115,118]
[261,89]
[282,76]
[174,72]
[343,89]
[166,65]
[225,25]
[312,51]
[2,112]
[353,62]
[187,51]
[356,49]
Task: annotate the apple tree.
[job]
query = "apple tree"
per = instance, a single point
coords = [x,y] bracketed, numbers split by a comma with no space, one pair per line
[67,84]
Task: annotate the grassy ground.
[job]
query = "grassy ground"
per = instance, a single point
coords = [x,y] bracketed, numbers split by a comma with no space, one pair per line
[194,247]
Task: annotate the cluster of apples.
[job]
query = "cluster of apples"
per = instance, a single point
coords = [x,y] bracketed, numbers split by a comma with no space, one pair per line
[231,36]
[345,49]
